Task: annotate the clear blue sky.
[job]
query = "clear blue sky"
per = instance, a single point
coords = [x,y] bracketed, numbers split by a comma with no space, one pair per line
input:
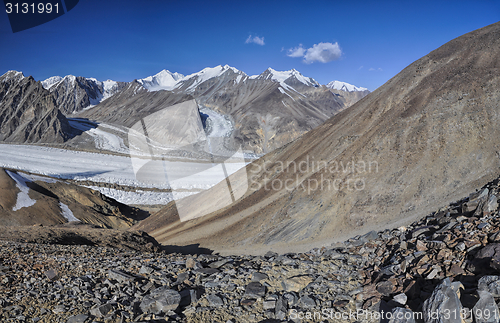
[123,40]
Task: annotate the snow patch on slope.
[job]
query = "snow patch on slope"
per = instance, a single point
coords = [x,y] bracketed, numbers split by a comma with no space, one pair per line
[23,199]
[66,212]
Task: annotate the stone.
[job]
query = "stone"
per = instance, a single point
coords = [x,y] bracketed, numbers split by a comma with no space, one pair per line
[491,205]
[296,283]
[402,315]
[190,263]
[385,288]
[214,300]
[456,270]
[370,236]
[51,274]
[490,284]
[255,289]
[486,258]
[218,264]
[145,270]
[161,300]
[257,277]
[442,301]
[120,276]
[248,301]
[269,304]
[486,310]
[80,318]
[103,310]
[307,302]
[207,271]
[400,298]
[421,246]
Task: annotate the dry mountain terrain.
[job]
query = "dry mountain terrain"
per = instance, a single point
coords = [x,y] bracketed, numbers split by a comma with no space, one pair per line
[427,137]
[28,112]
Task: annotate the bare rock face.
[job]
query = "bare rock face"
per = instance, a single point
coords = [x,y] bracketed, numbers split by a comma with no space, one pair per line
[425,137]
[75,93]
[28,112]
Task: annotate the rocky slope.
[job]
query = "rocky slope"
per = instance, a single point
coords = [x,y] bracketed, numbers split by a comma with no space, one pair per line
[28,112]
[423,138]
[28,200]
[75,93]
[444,264]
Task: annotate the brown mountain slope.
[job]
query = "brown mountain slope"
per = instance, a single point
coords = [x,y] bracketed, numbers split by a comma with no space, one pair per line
[427,137]
[27,200]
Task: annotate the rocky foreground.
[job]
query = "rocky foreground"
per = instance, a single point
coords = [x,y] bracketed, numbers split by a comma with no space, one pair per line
[434,270]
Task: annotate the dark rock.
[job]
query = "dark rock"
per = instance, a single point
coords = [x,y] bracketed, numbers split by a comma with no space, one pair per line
[120,276]
[490,284]
[443,300]
[103,310]
[214,300]
[51,274]
[255,289]
[207,271]
[385,288]
[257,277]
[161,300]
[486,310]
[80,318]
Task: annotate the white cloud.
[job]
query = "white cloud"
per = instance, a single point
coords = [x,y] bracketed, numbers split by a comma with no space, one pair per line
[322,52]
[256,40]
[375,69]
[296,52]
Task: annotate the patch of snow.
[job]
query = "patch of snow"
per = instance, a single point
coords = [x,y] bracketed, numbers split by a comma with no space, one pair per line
[23,199]
[66,212]
[284,92]
[288,87]
[343,86]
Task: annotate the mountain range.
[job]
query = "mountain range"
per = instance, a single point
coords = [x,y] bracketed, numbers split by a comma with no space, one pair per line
[266,110]
[424,139]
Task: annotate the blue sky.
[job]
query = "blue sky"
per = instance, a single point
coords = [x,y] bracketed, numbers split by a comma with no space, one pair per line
[365,42]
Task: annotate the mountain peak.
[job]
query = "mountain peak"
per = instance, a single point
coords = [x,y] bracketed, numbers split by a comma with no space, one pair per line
[343,86]
[12,75]
[283,76]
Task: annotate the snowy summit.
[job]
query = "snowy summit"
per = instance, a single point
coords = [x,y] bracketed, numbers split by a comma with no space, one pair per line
[343,86]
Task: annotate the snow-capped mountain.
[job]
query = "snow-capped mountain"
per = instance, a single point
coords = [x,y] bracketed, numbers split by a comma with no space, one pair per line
[164,80]
[294,102]
[12,76]
[292,76]
[343,86]
[76,93]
